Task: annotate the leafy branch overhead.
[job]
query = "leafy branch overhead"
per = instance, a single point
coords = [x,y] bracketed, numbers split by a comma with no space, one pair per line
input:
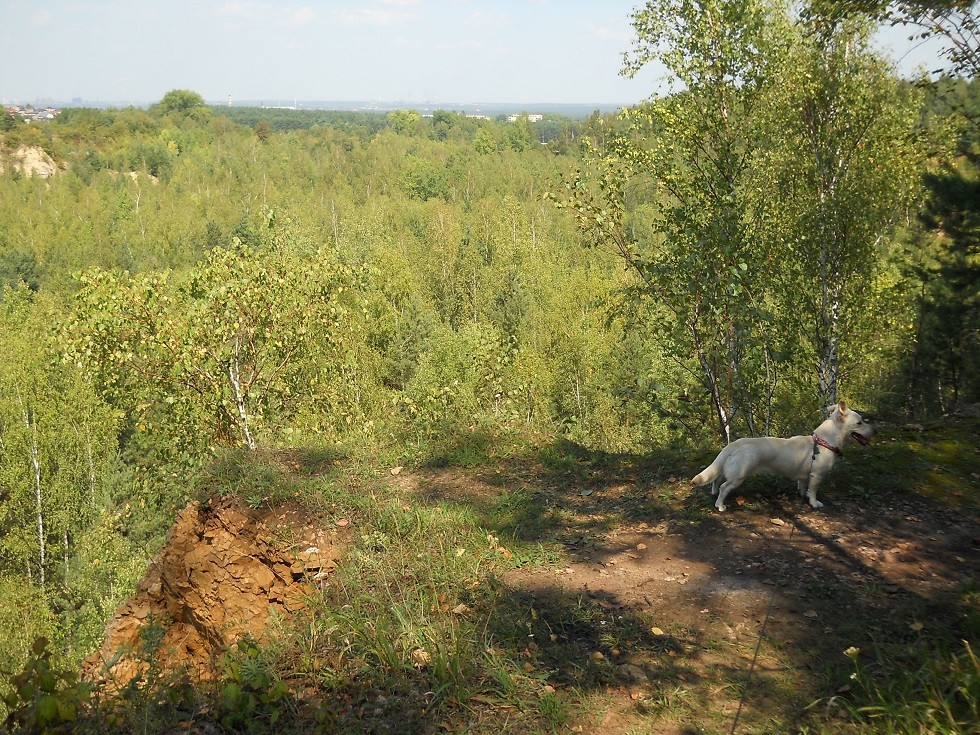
[953,24]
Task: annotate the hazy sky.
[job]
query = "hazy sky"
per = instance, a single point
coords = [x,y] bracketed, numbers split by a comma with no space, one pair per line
[281,50]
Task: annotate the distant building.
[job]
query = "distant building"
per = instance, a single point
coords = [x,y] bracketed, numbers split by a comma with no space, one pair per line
[530,118]
[29,114]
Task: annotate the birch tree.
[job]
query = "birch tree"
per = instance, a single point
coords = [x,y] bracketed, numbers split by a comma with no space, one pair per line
[842,167]
[208,356]
[56,441]
[669,197]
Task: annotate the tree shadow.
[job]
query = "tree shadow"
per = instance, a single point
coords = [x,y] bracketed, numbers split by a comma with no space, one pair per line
[879,568]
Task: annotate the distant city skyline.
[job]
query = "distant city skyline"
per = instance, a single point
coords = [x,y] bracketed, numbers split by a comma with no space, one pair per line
[452,51]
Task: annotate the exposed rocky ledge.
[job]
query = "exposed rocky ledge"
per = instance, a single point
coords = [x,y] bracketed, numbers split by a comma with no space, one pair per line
[31,161]
[224,571]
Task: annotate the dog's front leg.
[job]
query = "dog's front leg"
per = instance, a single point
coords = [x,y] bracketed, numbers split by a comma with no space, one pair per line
[811,492]
[801,486]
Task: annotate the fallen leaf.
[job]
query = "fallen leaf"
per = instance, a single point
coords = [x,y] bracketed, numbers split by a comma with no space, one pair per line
[777,521]
[343,523]
[396,470]
[585,493]
[810,614]
[916,626]
[598,656]
[739,500]
[461,609]
[640,547]
[657,631]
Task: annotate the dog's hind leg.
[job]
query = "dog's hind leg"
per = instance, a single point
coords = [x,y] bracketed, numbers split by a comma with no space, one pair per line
[726,487]
[801,486]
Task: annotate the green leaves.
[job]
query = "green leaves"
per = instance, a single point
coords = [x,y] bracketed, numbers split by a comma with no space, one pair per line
[840,167]
[669,193]
[56,438]
[44,700]
[222,348]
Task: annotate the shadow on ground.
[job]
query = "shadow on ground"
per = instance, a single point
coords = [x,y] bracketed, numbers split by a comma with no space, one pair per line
[885,565]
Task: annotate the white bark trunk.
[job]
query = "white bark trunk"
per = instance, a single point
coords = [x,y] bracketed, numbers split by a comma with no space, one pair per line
[35,460]
[234,376]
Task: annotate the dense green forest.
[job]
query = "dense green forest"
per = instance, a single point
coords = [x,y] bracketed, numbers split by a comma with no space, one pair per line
[790,225]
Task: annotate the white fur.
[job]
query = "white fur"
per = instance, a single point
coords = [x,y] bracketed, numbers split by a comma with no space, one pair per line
[792,458]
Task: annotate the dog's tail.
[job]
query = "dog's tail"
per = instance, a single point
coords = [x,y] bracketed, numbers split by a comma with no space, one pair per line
[712,472]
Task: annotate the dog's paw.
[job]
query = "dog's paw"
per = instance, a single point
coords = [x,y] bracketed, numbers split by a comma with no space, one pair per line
[721,508]
[816,504]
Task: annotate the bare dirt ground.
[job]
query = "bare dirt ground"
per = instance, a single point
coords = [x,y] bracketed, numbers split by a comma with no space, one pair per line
[638,574]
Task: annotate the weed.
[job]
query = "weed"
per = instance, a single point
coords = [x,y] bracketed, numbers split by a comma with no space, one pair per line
[251,698]
[822,588]
[248,475]
[157,698]
[941,696]
[44,700]
[553,710]
[537,555]
[400,611]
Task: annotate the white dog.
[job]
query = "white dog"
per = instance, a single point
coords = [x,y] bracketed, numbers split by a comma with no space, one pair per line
[806,459]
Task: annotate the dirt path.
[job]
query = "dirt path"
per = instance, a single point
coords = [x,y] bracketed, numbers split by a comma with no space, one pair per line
[679,594]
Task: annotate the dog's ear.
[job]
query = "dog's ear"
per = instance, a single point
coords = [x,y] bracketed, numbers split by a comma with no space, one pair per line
[842,406]
[831,409]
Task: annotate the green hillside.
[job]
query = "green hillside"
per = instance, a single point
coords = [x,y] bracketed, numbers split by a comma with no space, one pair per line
[191,294]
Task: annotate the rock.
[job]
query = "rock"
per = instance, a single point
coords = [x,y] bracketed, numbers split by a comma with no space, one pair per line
[632,674]
[33,161]
[218,579]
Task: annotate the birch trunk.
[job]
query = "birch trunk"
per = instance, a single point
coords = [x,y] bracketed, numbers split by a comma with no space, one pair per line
[234,375]
[35,460]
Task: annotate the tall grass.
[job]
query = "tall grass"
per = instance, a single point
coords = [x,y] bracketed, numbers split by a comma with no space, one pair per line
[401,610]
[939,696]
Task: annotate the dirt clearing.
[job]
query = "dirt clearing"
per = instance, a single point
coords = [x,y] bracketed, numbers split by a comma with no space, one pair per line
[624,568]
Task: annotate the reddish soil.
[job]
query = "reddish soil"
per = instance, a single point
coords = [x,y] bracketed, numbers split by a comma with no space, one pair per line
[223,573]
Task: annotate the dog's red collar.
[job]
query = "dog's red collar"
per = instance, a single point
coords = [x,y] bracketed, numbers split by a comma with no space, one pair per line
[823,443]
